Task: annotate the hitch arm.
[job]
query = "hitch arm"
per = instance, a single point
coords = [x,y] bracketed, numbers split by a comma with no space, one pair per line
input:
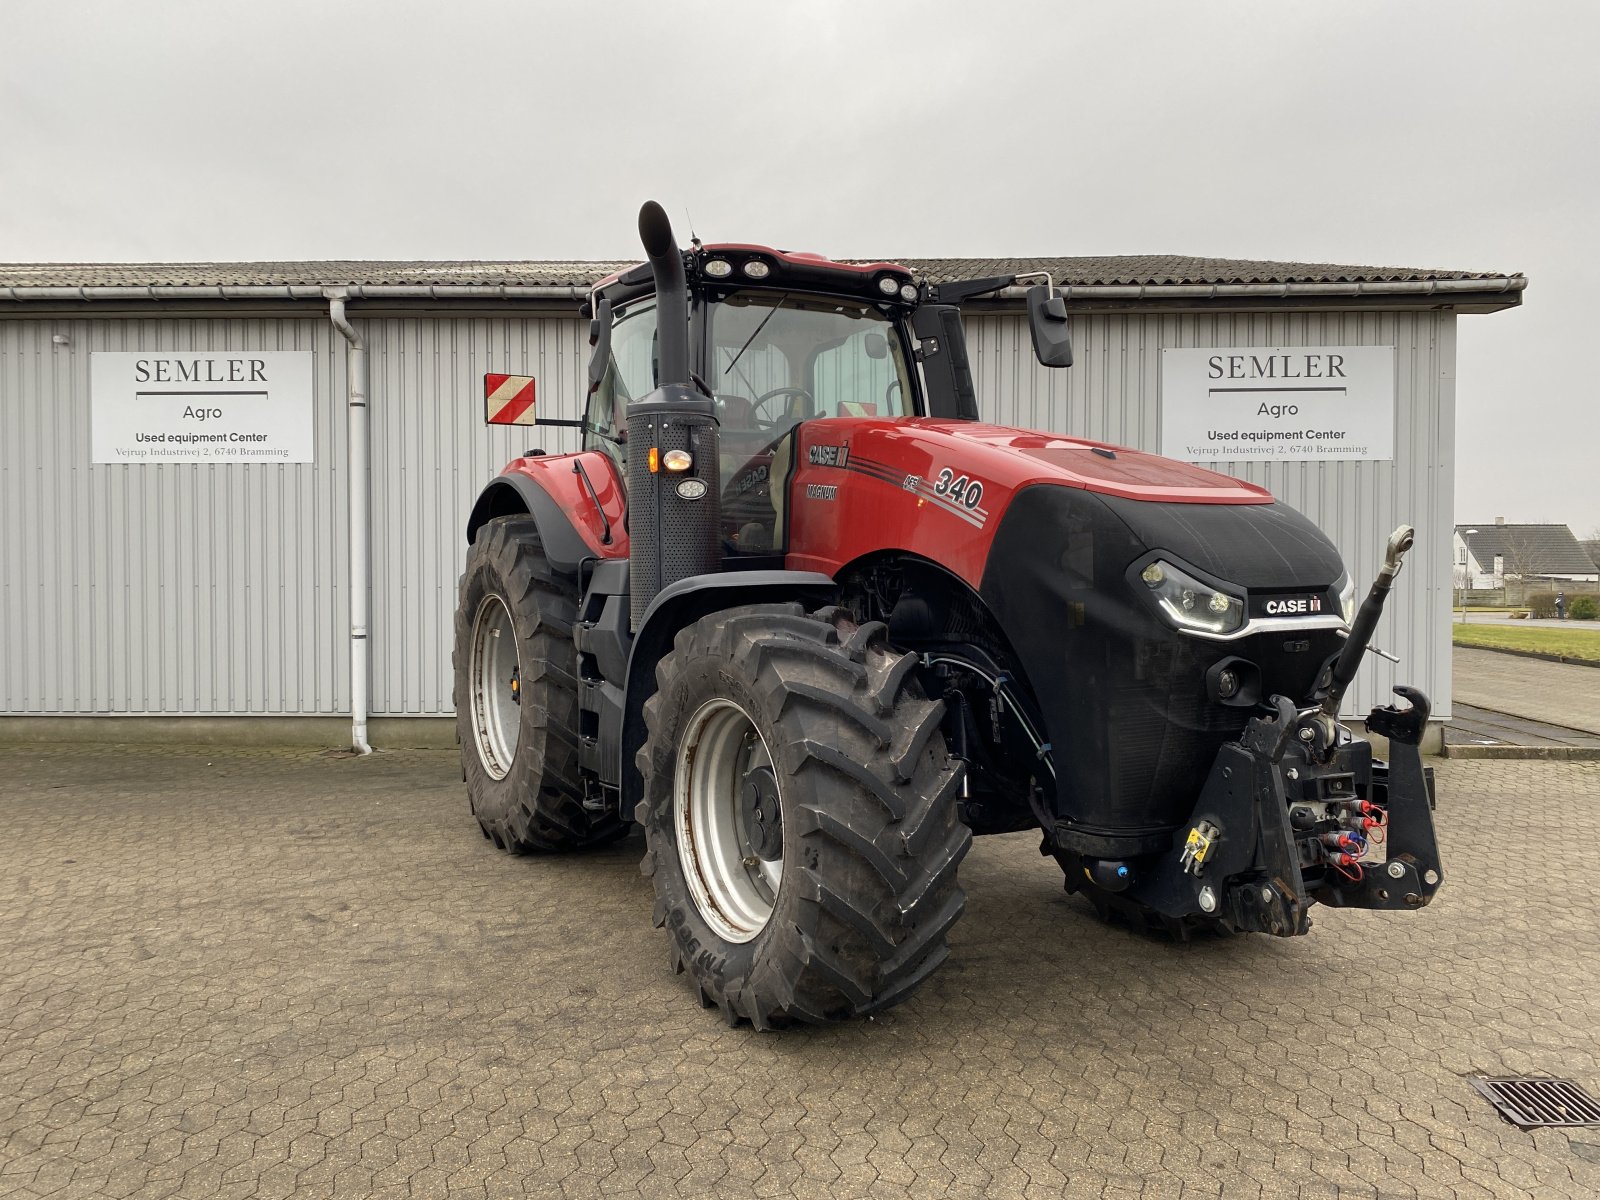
[1366,623]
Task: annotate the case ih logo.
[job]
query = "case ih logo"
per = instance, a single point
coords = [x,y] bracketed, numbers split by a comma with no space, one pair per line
[1294,607]
[828,456]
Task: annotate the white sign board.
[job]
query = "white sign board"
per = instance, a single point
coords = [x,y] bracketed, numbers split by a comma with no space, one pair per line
[1305,402]
[193,406]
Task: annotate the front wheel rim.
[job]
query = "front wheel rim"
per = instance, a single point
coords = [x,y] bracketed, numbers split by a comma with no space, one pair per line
[728,814]
[496,688]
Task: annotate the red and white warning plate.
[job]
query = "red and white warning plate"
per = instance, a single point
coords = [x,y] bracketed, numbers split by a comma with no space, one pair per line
[508,399]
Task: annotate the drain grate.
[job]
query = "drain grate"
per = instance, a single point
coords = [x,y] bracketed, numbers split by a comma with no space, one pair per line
[1537,1103]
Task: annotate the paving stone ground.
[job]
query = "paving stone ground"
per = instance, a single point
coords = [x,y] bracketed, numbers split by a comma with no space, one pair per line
[263,974]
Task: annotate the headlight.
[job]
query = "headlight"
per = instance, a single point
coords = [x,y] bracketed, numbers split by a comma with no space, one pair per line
[1347,599]
[1190,604]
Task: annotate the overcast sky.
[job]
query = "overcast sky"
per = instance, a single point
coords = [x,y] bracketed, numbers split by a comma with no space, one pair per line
[1453,135]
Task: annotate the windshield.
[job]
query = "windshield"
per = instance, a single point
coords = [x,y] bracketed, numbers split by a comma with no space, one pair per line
[777,360]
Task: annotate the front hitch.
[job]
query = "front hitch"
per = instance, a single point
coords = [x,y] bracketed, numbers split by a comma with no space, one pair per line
[1298,811]
[1413,871]
[1284,822]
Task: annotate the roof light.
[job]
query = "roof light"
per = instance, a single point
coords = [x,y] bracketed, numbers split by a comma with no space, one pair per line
[677,460]
[757,269]
[718,268]
[889,285]
[908,293]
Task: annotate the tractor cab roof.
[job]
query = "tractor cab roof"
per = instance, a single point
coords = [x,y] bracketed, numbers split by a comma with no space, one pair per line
[730,265]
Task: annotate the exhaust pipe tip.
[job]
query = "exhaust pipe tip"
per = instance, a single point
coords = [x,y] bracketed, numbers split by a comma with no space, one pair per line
[672,294]
[655,230]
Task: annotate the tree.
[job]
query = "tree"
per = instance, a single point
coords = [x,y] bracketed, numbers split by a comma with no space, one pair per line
[1520,561]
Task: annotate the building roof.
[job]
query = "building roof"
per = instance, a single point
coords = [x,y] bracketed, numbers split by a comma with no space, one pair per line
[1530,549]
[1149,270]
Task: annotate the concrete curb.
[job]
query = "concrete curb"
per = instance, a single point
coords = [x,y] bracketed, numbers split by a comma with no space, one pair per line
[1555,753]
[1555,658]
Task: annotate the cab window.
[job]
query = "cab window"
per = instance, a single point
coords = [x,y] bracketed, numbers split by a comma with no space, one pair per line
[774,360]
[777,360]
[861,376]
[630,374]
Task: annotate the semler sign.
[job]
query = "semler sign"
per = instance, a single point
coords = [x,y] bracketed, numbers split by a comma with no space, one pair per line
[236,406]
[1322,402]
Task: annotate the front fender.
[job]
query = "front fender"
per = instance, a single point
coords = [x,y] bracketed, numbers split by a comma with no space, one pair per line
[573,524]
[682,604]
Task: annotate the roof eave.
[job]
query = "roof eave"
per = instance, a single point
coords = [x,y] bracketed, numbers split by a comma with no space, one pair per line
[1462,295]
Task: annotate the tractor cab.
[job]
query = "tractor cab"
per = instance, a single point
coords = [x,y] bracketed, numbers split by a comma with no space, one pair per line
[774,339]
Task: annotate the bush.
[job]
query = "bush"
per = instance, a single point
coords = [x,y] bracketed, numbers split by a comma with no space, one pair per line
[1584,608]
[1542,604]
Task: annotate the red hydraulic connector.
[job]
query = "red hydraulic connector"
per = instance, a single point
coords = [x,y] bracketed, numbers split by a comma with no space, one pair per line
[1354,843]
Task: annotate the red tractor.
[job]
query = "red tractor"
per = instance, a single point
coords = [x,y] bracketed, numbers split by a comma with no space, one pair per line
[799,613]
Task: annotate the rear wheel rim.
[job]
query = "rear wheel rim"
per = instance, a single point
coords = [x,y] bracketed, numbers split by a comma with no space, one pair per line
[728,814]
[496,688]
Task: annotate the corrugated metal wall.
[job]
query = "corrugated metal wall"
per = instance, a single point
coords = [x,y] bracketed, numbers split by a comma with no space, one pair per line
[164,588]
[431,455]
[1112,393]
[220,589]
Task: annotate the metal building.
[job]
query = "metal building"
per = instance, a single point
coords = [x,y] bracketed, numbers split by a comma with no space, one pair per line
[225,589]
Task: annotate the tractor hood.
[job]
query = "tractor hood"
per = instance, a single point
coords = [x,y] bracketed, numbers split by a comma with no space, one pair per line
[1015,458]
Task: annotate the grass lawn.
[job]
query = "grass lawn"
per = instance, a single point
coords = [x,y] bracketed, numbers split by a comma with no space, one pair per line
[1582,640]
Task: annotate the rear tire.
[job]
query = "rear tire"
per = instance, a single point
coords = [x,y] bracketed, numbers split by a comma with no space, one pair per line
[808,738]
[516,696]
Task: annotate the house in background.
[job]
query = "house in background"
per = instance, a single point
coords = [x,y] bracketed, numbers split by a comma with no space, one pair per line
[1486,556]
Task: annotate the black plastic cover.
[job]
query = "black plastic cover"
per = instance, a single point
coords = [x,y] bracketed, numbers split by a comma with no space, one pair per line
[1124,696]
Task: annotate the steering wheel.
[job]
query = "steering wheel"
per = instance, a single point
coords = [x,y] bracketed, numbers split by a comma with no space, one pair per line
[771,424]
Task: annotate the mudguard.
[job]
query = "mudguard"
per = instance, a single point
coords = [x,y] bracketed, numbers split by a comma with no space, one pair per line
[681,604]
[576,500]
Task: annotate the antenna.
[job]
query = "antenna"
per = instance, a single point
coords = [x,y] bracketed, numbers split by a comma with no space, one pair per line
[689,220]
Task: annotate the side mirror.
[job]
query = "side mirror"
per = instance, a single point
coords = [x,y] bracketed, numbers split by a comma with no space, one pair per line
[1047,322]
[600,341]
[876,345]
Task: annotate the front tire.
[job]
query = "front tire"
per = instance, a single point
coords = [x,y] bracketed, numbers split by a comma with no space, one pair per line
[516,696]
[800,816]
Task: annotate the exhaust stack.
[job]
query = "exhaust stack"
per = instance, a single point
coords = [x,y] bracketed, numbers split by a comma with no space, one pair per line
[674,515]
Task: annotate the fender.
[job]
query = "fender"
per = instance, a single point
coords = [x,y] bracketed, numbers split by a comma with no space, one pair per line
[574,524]
[677,606]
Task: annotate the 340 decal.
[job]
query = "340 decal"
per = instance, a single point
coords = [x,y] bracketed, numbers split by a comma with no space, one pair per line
[962,489]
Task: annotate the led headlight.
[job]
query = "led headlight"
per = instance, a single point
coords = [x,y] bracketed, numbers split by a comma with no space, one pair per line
[756,269]
[1347,599]
[1190,604]
[719,268]
[889,285]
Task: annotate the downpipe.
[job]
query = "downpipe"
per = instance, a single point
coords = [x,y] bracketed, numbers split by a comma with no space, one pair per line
[359,449]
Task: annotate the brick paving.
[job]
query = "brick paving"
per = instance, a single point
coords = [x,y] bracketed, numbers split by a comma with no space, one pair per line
[260,974]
